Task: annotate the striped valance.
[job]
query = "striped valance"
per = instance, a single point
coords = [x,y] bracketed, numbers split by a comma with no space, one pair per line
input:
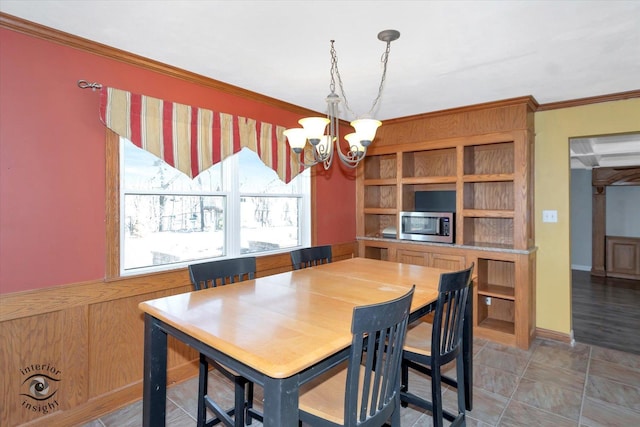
[192,139]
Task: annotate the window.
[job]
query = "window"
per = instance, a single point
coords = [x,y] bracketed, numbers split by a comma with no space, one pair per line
[236,207]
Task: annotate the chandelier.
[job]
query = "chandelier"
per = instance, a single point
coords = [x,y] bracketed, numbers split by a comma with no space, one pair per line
[313,129]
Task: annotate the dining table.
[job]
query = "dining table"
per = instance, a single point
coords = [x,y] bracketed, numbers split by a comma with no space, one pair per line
[282,330]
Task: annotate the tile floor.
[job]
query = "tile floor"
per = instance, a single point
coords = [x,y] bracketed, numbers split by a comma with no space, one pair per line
[551,384]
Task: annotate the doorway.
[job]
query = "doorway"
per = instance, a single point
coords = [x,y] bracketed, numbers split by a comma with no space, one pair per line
[605,310]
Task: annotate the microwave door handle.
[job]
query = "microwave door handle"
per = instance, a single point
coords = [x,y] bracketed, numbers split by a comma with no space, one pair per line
[438,224]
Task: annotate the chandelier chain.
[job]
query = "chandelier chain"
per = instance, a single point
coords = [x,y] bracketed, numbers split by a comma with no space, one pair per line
[322,147]
[334,69]
[336,73]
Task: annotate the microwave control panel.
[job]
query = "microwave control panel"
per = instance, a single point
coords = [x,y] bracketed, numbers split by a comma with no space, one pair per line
[446,227]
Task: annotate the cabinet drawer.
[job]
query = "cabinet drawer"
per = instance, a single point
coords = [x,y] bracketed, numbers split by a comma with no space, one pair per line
[413,257]
[447,262]
[430,259]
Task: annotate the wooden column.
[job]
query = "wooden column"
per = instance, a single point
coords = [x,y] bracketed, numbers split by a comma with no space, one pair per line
[598,231]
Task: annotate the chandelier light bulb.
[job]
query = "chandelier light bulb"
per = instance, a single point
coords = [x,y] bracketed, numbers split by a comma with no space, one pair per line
[314,127]
[354,143]
[366,130]
[297,138]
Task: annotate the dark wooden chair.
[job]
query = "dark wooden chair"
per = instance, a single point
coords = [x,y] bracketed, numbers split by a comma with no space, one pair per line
[430,346]
[207,275]
[364,390]
[307,257]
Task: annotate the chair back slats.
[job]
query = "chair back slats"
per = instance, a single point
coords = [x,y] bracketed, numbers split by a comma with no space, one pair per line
[449,314]
[210,275]
[373,384]
[222,272]
[446,345]
[308,257]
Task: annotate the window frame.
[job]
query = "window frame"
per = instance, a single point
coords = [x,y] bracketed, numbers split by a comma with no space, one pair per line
[113,215]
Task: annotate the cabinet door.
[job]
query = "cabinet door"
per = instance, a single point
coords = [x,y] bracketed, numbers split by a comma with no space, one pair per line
[446,262]
[623,257]
[413,257]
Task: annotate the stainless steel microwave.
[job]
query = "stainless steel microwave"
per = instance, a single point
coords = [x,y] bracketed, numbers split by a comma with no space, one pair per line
[427,226]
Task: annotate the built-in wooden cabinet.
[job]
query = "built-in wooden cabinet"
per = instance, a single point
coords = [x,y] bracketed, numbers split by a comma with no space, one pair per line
[488,202]
[379,197]
[623,257]
[491,193]
[504,285]
[485,154]
[496,295]
[431,259]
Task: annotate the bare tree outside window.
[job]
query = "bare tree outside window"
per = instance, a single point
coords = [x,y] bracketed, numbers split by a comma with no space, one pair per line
[170,219]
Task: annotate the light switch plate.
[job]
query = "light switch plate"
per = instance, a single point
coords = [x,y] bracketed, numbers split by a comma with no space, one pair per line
[549,216]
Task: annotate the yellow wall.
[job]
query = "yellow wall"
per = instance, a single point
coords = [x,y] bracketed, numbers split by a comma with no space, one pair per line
[552,175]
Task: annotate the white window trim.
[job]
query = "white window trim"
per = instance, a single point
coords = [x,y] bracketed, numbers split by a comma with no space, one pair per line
[230,180]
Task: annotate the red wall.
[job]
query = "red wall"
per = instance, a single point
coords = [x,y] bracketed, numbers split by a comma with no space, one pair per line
[52,160]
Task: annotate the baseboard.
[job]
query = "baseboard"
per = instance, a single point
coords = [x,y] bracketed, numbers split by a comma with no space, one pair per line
[581,267]
[553,335]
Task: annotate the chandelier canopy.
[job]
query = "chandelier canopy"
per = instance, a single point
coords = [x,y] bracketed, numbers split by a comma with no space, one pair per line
[313,128]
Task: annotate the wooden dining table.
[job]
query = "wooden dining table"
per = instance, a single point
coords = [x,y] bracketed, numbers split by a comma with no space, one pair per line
[282,330]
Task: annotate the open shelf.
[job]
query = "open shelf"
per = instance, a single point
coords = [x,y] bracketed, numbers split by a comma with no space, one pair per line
[498,316]
[496,282]
[485,213]
[498,291]
[380,167]
[380,181]
[496,278]
[380,196]
[492,196]
[429,163]
[409,191]
[494,230]
[489,159]
[376,253]
[429,180]
[503,326]
[496,177]
[375,223]
[380,211]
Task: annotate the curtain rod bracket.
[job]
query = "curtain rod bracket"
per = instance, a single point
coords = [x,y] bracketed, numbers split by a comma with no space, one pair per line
[83,84]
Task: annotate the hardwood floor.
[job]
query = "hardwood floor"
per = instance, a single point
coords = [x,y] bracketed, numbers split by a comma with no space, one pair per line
[606,311]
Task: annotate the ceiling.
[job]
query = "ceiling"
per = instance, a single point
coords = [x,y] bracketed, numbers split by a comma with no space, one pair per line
[605,151]
[450,53]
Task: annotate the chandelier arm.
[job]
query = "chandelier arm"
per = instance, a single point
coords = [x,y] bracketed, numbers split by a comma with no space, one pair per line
[350,160]
[327,158]
[304,163]
[316,159]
